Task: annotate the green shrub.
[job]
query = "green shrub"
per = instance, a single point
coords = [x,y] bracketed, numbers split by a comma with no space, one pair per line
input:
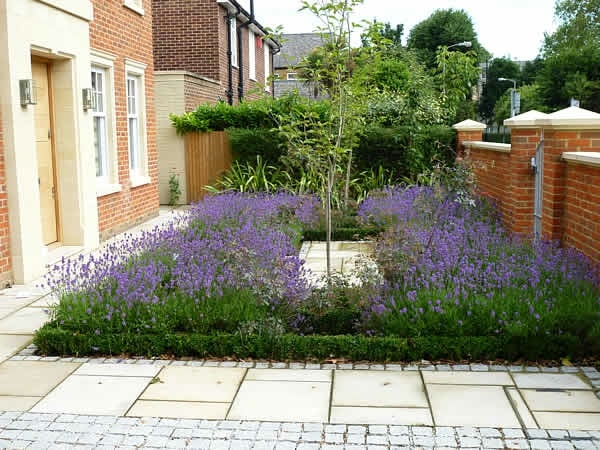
[247,144]
[51,340]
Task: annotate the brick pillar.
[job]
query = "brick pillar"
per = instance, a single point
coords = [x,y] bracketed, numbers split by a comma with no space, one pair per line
[5,263]
[467,130]
[569,130]
[525,136]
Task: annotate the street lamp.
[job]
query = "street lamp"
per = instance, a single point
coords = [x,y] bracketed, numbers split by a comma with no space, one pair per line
[515,98]
[467,44]
[509,79]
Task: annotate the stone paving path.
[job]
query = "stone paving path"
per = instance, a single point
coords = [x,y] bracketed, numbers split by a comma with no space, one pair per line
[51,402]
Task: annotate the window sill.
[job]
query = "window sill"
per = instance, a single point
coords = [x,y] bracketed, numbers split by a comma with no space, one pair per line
[103,189]
[132,6]
[138,180]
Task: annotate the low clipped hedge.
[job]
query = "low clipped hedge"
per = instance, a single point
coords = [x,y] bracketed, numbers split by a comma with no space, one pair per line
[52,340]
[342,234]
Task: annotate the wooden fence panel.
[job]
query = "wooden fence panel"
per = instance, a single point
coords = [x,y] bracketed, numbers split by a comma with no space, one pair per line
[207,156]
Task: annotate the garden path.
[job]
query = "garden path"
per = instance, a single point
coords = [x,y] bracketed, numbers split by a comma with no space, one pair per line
[51,402]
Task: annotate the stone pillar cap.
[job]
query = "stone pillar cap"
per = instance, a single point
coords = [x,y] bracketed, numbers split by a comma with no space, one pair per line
[572,117]
[525,120]
[469,125]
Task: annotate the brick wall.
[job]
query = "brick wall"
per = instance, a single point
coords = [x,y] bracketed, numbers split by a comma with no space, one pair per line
[126,34]
[192,36]
[5,264]
[571,178]
[185,34]
[581,219]
[198,91]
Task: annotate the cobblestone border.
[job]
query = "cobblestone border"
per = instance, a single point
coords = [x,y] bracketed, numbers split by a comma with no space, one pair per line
[31,430]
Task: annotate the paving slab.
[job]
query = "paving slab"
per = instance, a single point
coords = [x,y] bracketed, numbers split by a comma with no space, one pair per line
[201,384]
[24,321]
[11,343]
[373,416]
[122,370]
[14,302]
[17,403]
[569,421]
[561,400]
[468,378]
[286,401]
[471,406]
[47,301]
[520,406]
[288,375]
[378,388]
[32,378]
[181,410]
[549,381]
[93,395]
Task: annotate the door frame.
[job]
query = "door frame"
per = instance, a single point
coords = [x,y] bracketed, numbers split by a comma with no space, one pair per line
[48,62]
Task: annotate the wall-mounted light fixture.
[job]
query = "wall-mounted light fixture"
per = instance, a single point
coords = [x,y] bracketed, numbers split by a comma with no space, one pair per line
[88,98]
[28,92]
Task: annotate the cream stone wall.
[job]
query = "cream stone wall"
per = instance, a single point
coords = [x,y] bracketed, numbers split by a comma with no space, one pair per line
[59,31]
[169,97]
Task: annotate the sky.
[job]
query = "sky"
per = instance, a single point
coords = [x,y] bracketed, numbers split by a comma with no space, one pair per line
[507,28]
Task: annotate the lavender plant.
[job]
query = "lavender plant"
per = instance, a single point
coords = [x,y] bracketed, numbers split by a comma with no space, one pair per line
[451,269]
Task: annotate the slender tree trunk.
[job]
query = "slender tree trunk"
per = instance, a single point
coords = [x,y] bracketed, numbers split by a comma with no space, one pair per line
[330,170]
[347,184]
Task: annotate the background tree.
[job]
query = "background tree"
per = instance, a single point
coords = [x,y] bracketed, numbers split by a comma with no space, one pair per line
[571,55]
[494,89]
[530,99]
[444,27]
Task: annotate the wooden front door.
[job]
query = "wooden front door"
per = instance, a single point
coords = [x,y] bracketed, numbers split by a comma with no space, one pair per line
[45,157]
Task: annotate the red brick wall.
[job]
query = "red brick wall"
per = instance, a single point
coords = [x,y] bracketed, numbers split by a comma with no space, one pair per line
[199,91]
[581,219]
[125,34]
[490,170]
[5,263]
[185,36]
[192,36]
[571,197]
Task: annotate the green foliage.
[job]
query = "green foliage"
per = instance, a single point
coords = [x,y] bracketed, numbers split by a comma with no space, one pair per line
[530,99]
[572,56]
[404,151]
[493,89]
[51,340]
[174,190]
[247,144]
[444,27]
[246,176]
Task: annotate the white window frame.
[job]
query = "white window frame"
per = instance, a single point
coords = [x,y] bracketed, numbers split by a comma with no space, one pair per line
[134,5]
[267,57]
[251,55]
[291,76]
[108,183]
[234,41]
[134,71]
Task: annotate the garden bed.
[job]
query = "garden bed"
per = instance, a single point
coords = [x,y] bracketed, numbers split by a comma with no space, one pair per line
[228,282]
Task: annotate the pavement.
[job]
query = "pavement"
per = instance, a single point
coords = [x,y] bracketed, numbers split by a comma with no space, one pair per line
[52,402]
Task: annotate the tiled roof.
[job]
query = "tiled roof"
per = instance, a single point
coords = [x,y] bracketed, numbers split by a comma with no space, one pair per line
[296,46]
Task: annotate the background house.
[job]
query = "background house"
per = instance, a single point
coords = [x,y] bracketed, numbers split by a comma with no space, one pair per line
[294,48]
[204,51]
[77,146]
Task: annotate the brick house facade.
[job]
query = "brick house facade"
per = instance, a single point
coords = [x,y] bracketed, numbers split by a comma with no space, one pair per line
[78,158]
[194,65]
[125,33]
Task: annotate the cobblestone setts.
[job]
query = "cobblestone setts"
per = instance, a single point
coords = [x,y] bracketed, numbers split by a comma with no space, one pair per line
[64,431]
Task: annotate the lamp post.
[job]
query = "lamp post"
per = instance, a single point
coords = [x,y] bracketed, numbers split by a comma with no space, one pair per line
[515,99]
[466,44]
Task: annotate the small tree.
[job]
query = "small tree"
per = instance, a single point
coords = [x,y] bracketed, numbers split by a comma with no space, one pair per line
[325,143]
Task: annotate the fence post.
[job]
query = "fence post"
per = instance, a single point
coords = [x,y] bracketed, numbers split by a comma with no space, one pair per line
[467,130]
